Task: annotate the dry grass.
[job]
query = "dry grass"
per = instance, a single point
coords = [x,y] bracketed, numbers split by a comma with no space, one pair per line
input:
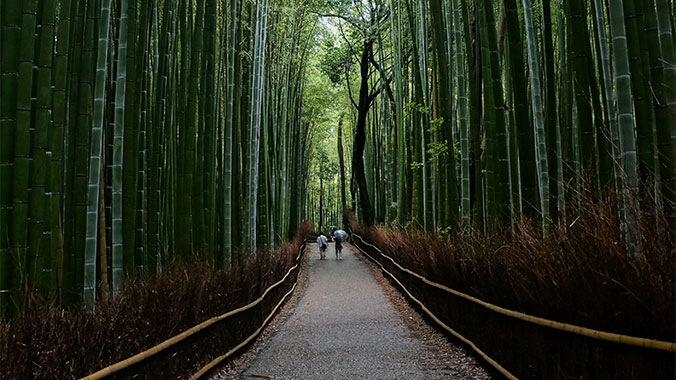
[580,275]
[51,343]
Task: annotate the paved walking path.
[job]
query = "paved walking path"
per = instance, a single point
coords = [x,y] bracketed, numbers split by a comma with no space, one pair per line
[344,326]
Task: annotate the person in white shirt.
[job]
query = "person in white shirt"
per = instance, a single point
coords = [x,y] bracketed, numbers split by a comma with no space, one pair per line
[322,242]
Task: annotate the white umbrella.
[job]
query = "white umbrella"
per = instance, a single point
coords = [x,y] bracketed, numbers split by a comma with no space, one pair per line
[340,234]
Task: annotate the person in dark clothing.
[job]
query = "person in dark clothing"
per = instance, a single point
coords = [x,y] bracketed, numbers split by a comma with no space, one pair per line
[338,238]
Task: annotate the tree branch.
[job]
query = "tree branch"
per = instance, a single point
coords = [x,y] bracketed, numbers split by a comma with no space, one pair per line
[383,75]
[375,93]
[349,88]
[340,26]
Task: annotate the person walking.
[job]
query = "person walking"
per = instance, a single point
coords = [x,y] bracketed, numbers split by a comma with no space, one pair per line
[339,247]
[338,237]
[322,242]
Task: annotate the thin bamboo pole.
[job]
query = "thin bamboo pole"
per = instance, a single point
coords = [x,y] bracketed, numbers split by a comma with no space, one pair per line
[120,92]
[95,157]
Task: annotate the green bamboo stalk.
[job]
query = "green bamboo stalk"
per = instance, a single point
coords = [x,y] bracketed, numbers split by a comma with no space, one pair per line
[58,141]
[660,114]
[130,140]
[550,108]
[627,149]
[210,131]
[497,166]
[164,171]
[604,153]
[82,141]
[199,226]
[228,175]
[524,130]
[13,158]
[562,120]
[118,139]
[243,113]
[192,130]
[255,126]
[161,116]
[608,87]
[474,71]
[490,180]
[237,230]
[40,265]
[262,228]
[22,147]
[667,133]
[185,165]
[282,135]
[151,71]
[577,159]
[579,51]
[422,72]
[462,115]
[640,89]
[402,209]
[95,156]
[448,199]
[69,274]
[147,67]
[538,117]
[450,33]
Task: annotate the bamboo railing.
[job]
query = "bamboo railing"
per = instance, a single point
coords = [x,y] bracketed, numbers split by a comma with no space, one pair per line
[590,333]
[126,363]
[569,328]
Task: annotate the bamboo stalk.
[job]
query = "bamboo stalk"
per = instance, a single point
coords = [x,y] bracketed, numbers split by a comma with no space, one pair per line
[118,139]
[625,118]
[538,117]
[95,157]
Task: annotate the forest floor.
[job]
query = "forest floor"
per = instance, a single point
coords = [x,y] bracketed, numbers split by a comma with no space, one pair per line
[348,322]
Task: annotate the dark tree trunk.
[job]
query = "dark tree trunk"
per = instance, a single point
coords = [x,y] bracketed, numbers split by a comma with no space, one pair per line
[360,136]
[343,198]
[321,202]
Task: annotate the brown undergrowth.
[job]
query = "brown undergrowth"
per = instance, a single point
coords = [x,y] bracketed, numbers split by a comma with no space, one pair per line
[52,343]
[580,274]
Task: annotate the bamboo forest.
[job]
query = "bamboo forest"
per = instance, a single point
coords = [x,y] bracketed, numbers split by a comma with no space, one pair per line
[507,166]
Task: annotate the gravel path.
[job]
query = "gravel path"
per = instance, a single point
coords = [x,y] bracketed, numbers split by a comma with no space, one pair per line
[349,323]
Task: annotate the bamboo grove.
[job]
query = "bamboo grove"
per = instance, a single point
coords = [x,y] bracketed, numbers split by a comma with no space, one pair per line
[134,133]
[483,112]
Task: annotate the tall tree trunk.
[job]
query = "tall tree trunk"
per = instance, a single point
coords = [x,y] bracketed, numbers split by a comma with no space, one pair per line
[341,161]
[360,136]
